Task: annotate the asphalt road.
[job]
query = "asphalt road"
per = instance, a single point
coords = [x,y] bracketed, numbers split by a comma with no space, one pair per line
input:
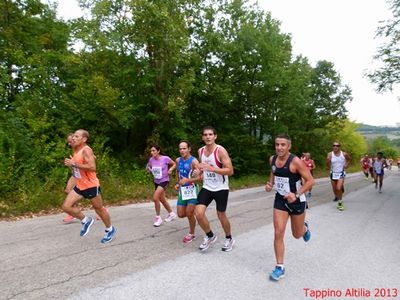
[352,254]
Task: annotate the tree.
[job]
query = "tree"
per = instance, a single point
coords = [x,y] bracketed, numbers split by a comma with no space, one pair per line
[351,141]
[388,75]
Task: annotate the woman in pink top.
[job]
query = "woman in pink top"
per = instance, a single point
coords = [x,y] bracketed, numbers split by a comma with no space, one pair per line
[161,167]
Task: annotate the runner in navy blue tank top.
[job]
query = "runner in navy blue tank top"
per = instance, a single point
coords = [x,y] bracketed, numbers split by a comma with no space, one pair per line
[286,176]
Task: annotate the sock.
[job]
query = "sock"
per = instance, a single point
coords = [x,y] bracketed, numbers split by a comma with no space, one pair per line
[210,234]
[109,228]
[228,237]
[280,265]
[85,219]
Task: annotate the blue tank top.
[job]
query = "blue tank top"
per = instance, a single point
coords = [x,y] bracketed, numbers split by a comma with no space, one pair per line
[185,168]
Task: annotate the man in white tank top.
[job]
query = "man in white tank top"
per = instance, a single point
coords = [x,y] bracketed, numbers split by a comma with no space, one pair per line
[338,161]
[215,167]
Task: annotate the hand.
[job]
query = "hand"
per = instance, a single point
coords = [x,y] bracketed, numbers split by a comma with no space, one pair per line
[176,186]
[291,197]
[183,181]
[205,167]
[68,162]
[268,187]
[196,172]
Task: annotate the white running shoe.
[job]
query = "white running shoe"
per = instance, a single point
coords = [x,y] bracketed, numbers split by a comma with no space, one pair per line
[171,216]
[207,242]
[157,221]
[228,245]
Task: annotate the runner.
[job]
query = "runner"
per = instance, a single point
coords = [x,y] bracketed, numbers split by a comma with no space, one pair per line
[161,167]
[287,172]
[187,187]
[398,163]
[389,162]
[72,182]
[87,185]
[310,164]
[215,167]
[379,164]
[338,161]
[365,165]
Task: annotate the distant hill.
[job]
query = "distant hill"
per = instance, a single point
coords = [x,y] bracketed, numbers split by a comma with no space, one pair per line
[371,132]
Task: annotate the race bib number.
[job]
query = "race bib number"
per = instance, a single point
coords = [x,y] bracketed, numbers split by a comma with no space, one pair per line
[336,175]
[210,177]
[188,192]
[282,185]
[157,172]
[76,173]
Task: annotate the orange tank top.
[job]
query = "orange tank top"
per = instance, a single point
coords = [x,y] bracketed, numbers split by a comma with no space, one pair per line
[84,179]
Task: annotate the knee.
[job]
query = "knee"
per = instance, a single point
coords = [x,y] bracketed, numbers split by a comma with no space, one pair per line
[297,235]
[199,215]
[190,214]
[181,214]
[221,215]
[279,234]
[65,207]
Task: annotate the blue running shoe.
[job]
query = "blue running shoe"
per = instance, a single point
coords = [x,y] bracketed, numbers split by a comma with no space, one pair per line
[278,273]
[86,226]
[109,235]
[307,234]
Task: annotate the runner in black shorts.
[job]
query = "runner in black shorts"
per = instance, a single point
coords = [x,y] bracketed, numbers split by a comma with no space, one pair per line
[215,167]
[287,172]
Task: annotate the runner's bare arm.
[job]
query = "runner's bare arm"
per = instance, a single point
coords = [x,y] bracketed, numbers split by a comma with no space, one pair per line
[328,160]
[270,183]
[89,161]
[348,160]
[172,167]
[308,181]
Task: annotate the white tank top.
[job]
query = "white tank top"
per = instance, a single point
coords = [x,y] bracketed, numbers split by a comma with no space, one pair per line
[337,162]
[378,166]
[212,181]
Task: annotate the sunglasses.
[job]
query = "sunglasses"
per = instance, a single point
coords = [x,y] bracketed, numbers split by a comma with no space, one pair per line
[335,145]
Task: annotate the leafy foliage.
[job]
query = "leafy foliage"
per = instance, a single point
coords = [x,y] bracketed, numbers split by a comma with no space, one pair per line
[139,72]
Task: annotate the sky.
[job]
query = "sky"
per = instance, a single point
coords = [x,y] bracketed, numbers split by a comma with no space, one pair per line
[340,31]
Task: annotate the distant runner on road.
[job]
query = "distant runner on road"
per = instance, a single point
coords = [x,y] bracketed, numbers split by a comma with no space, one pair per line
[379,165]
[366,163]
[337,161]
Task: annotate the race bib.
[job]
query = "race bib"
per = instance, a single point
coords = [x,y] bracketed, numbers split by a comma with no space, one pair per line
[157,172]
[188,192]
[282,185]
[210,178]
[76,173]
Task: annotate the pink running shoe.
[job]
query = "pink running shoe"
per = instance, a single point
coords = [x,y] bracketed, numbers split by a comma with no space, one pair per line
[188,238]
[157,221]
[68,219]
[98,217]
